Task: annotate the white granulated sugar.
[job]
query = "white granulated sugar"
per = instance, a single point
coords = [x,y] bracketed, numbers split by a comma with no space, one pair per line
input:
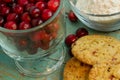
[99,6]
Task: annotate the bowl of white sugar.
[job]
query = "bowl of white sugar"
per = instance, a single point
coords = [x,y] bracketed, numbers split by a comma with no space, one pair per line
[101,15]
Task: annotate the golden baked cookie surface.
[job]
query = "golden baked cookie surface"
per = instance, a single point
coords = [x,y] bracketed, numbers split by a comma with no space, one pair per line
[93,49]
[76,70]
[104,72]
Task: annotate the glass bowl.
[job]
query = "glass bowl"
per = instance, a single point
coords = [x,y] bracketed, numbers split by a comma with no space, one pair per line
[100,22]
[36,50]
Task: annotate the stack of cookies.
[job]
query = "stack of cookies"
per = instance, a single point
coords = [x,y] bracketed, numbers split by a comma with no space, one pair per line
[96,57]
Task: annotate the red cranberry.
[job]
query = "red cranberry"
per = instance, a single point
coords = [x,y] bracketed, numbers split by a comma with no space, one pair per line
[22,42]
[1,20]
[46,14]
[28,6]
[12,17]
[40,35]
[18,9]
[40,0]
[1,1]
[36,22]
[8,1]
[81,32]
[24,25]
[72,17]
[70,39]
[41,5]
[32,1]
[5,10]
[34,12]
[26,17]
[10,25]
[53,5]
[22,2]
[42,38]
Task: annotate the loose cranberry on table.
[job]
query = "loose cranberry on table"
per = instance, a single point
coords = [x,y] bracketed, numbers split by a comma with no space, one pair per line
[72,17]
[70,39]
[81,32]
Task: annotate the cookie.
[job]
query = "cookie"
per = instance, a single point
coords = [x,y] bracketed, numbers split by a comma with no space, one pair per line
[94,49]
[105,72]
[76,70]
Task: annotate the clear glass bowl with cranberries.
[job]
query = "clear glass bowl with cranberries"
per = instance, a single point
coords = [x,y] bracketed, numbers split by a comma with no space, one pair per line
[31,30]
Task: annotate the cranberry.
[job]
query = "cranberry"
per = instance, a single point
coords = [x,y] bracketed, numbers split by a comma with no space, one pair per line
[22,2]
[53,5]
[34,12]
[1,20]
[28,6]
[36,22]
[70,39]
[22,42]
[72,17]
[1,1]
[26,17]
[41,38]
[40,35]
[32,1]
[46,14]
[10,25]
[18,9]
[8,1]
[81,32]
[24,25]
[12,17]
[5,10]
[41,5]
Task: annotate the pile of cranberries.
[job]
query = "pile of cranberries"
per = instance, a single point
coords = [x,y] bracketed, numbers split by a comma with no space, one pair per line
[26,14]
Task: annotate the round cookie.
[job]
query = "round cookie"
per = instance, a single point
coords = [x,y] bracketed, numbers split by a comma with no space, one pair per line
[76,70]
[94,49]
[104,72]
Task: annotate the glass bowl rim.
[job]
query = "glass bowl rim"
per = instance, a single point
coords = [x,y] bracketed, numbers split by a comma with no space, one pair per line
[37,27]
[90,14]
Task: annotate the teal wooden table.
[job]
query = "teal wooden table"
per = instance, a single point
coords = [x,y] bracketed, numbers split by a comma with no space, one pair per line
[8,69]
